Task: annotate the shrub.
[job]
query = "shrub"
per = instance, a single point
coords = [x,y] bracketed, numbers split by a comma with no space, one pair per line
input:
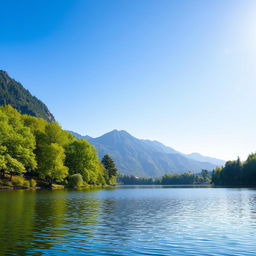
[76,180]
[32,183]
[6,183]
[26,184]
[18,181]
[9,183]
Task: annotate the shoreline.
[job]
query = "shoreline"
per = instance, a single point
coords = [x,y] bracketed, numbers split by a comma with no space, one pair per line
[54,187]
[60,187]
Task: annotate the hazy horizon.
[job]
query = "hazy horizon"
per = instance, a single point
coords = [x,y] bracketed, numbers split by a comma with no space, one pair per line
[179,72]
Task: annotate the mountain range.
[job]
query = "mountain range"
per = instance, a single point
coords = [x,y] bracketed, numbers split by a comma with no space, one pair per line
[13,93]
[146,158]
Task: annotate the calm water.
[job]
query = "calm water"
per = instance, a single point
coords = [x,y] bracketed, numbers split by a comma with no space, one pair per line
[129,221]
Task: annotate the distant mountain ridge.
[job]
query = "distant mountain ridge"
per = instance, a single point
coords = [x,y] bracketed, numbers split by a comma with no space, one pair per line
[13,93]
[147,158]
[201,158]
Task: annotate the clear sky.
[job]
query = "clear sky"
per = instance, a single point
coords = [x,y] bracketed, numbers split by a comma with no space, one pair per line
[180,72]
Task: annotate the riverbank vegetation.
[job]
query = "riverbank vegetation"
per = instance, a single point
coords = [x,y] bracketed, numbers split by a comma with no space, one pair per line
[32,149]
[236,173]
[187,178]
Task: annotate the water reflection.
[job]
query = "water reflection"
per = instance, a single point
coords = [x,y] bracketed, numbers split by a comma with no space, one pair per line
[128,221]
[16,221]
[33,222]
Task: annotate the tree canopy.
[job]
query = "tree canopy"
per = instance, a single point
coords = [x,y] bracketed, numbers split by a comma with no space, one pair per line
[32,146]
[236,173]
[110,169]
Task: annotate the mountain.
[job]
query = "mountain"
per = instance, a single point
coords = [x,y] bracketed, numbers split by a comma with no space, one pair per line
[144,158]
[13,93]
[199,157]
[194,156]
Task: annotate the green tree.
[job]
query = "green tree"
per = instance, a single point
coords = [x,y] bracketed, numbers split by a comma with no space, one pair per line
[52,163]
[14,166]
[204,174]
[76,180]
[249,170]
[17,141]
[50,140]
[3,161]
[34,147]
[55,134]
[230,174]
[81,157]
[34,123]
[110,169]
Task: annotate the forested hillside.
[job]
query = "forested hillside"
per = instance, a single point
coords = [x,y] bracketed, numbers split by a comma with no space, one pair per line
[13,93]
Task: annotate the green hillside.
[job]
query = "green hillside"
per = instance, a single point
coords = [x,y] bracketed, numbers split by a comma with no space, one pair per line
[13,93]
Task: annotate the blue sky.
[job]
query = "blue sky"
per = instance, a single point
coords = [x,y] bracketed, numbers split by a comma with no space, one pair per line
[180,72]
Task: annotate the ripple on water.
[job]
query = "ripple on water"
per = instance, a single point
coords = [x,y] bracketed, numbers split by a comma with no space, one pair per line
[129,221]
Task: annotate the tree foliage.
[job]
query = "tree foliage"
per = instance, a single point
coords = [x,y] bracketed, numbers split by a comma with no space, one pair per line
[187,178]
[32,146]
[236,173]
[76,180]
[133,180]
[110,171]
[82,158]
[52,163]
[17,143]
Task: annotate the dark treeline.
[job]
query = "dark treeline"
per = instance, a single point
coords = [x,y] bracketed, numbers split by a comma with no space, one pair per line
[133,180]
[186,178]
[33,149]
[236,173]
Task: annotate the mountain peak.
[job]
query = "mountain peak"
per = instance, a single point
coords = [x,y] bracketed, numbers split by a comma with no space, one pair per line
[115,135]
[123,132]
[116,132]
[146,158]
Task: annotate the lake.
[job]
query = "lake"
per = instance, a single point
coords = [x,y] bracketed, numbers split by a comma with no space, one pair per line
[139,220]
